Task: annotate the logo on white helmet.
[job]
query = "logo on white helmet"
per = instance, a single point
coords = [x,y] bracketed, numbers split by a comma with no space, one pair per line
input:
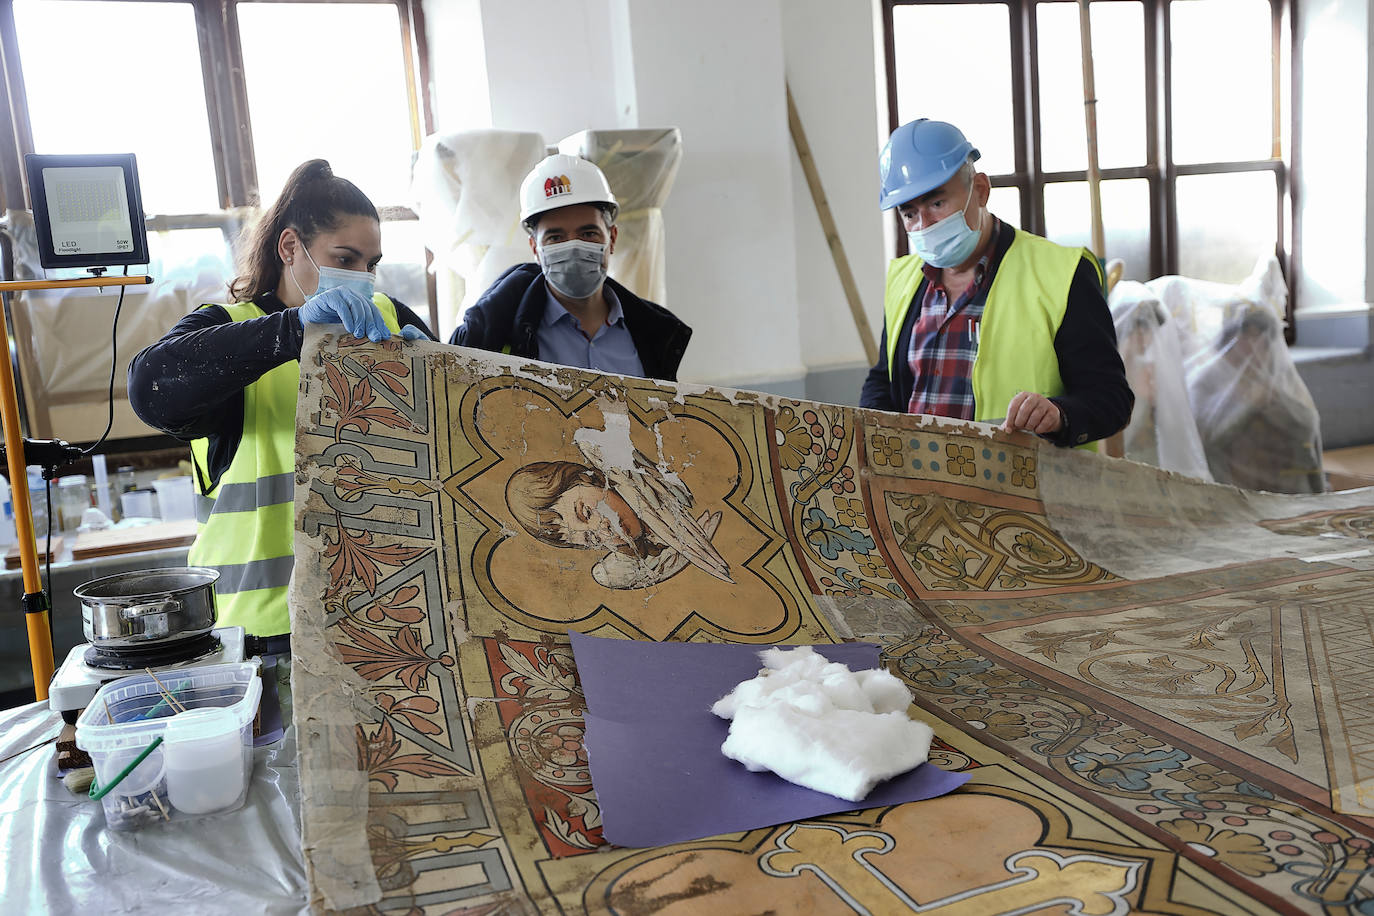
[557,186]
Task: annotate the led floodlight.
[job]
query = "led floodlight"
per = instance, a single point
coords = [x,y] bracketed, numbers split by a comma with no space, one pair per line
[87,210]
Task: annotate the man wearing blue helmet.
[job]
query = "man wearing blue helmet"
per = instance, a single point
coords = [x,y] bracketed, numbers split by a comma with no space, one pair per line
[983,321]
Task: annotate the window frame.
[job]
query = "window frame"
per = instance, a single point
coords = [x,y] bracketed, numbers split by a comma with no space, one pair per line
[226,103]
[1159,170]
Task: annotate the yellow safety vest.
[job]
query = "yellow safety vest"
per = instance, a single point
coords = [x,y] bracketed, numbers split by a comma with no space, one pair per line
[247,519]
[1024,309]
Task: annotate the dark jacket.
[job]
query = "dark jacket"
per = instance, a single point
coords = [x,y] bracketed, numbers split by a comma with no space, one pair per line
[506,320]
[1097,399]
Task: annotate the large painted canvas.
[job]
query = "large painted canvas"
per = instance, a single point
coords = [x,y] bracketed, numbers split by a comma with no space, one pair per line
[1162,690]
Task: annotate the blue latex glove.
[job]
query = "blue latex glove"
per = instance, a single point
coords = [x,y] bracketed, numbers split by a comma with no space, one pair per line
[411,332]
[341,305]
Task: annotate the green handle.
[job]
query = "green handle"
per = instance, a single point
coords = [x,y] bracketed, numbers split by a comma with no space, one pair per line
[102,791]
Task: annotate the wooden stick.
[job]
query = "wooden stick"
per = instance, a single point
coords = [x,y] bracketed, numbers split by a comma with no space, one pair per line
[832,235]
[171,700]
[109,716]
[1085,35]
[11,286]
[157,801]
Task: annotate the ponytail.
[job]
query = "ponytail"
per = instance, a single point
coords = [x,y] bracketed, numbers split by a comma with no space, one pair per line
[314,200]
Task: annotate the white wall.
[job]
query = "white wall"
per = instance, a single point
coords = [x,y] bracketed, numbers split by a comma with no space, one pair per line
[458,89]
[549,65]
[1336,168]
[830,61]
[714,68]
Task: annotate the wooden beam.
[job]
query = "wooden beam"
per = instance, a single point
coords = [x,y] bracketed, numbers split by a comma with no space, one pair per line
[832,235]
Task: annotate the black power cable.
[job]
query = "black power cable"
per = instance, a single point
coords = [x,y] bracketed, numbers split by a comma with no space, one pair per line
[114,363]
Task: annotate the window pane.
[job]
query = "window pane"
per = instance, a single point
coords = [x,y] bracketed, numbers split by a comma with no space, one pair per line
[1222,82]
[401,273]
[1118,35]
[328,82]
[939,76]
[1225,224]
[1005,204]
[1125,220]
[70,51]
[196,259]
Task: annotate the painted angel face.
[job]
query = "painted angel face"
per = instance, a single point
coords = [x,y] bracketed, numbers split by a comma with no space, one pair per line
[596,518]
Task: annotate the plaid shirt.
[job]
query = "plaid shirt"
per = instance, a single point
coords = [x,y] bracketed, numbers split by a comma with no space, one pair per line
[944,342]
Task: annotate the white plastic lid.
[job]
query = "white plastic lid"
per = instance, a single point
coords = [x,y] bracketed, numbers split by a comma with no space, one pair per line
[204,724]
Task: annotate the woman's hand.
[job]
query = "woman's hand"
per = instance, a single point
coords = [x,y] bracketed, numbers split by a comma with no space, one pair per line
[341,305]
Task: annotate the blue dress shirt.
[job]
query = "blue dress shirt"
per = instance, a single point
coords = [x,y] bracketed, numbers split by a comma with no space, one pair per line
[612,349]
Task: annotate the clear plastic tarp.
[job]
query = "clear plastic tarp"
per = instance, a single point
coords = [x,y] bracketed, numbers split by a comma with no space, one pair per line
[63,336]
[466,190]
[1162,431]
[1250,409]
[641,165]
[61,858]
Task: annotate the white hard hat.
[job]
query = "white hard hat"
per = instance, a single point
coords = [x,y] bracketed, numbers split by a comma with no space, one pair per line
[562,181]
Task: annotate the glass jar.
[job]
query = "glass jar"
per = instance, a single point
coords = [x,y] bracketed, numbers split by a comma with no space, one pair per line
[73,499]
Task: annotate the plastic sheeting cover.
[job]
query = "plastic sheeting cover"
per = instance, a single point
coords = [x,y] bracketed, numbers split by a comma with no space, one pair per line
[1162,431]
[1250,409]
[69,329]
[466,190]
[641,166]
[61,858]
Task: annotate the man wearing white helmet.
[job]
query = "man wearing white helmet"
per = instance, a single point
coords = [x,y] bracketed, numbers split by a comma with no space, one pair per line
[984,321]
[564,309]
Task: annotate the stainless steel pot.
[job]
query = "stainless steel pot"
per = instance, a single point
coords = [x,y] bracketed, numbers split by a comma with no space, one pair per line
[135,609]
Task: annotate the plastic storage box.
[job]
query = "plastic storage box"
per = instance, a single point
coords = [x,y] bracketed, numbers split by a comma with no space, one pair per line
[204,760]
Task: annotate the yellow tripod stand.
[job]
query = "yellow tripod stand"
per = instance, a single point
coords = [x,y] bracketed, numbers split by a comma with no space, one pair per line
[36,606]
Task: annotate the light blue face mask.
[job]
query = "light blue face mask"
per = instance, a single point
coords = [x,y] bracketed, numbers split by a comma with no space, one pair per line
[331,277]
[361,280]
[949,242]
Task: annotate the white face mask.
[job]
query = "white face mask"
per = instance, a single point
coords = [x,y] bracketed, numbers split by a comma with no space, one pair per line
[574,268]
[949,242]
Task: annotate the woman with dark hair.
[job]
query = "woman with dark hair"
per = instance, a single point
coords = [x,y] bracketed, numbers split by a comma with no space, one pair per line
[225,379]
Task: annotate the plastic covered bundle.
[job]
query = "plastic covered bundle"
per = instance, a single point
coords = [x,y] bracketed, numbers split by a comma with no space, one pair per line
[63,335]
[640,165]
[1162,431]
[1259,425]
[466,190]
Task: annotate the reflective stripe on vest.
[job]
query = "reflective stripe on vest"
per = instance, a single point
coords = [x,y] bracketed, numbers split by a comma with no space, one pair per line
[1024,309]
[246,527]
[247,497]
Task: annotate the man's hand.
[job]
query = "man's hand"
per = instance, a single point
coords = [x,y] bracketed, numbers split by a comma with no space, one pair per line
[1034,413]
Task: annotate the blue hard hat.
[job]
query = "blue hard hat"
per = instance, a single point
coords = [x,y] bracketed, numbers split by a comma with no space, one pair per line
[920,156]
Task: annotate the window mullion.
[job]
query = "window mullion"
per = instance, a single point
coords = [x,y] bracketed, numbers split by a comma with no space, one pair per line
[1026,86]
[226,96]
[1166,215]
[15,116]
[1284,248]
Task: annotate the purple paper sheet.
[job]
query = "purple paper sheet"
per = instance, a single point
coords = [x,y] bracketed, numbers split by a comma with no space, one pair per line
[654,745]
